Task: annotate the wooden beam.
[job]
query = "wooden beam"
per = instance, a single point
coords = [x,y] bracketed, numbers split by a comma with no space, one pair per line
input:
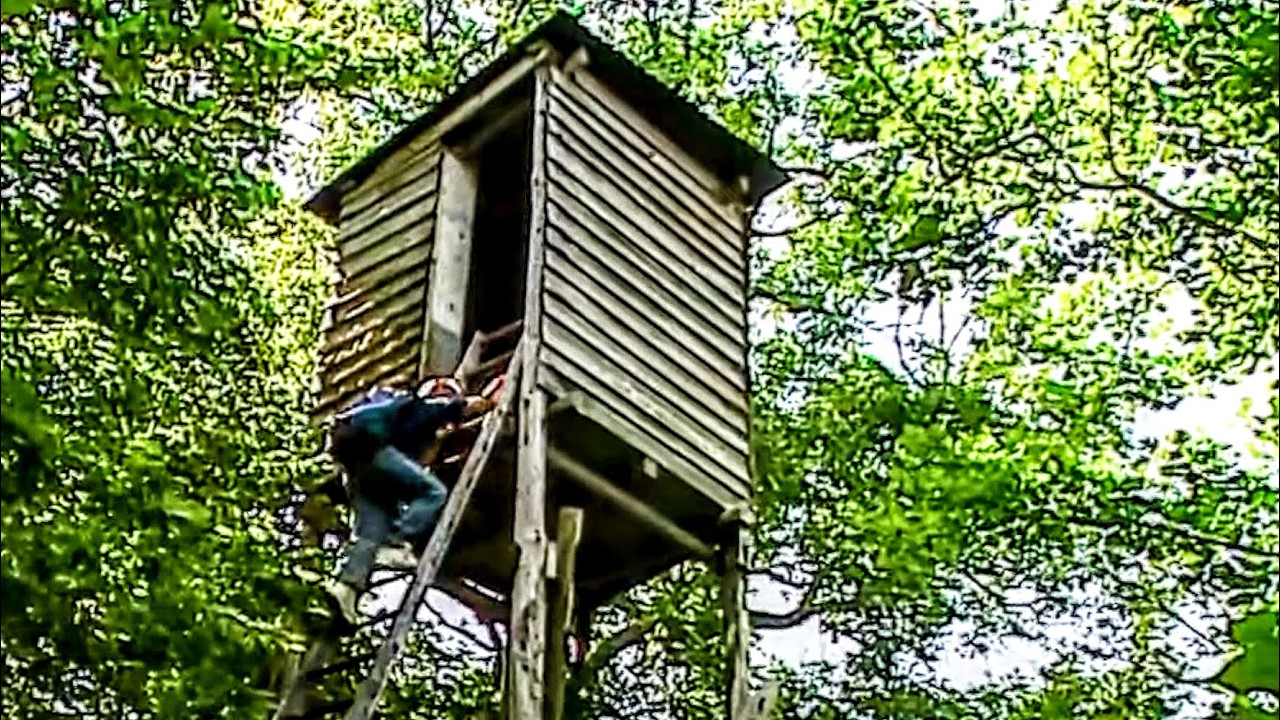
[445,315]
[737,630]
[370,691]
[568,534]
[538,54]
[527,644]
[628,503]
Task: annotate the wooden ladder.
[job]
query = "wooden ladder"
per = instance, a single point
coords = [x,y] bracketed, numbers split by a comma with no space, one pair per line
[323,659]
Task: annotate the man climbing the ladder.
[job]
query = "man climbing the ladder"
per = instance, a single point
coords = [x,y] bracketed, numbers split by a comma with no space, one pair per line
[379,443]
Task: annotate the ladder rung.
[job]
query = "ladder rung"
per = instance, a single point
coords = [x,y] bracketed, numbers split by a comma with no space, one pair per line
[492,364]
[502,332]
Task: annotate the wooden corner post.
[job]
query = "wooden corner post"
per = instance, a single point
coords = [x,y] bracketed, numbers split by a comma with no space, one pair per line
[568,534]
[527,646]
[737,628]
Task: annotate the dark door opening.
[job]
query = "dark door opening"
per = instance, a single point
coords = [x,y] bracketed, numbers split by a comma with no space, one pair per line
[500,237]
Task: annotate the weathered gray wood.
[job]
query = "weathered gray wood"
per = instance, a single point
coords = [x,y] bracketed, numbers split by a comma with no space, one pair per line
[401,168]
[727,430]
[393,229]
[537,54]
[527,645]
[387,311]
[667,167]
[737,630]
[707,233]
[575,162]
[708,320]
[623,182]
[402,200]
[450,267]
[617,287]
[475,142]
[629,504]
[371,689]
[568,534]
[390,257]
[391,351]
[610,100]
[727,451]
[608,408]
[653,365]
[713,311]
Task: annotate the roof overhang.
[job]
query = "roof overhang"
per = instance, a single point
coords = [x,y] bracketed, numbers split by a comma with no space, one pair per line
[741,166]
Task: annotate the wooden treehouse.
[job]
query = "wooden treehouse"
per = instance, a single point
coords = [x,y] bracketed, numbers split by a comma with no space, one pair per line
[565,193]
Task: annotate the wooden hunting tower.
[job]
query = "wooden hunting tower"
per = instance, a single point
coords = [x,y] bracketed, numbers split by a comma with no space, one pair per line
[565,188]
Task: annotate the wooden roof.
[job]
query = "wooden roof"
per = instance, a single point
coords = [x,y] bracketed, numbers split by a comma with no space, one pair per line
[707,141]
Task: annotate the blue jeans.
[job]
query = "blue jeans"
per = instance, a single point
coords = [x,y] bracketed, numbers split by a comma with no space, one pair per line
[395,499]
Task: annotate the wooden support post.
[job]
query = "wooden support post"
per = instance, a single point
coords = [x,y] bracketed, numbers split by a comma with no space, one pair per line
[446,298]
[528,642]
[527,646]
[737,630]
[568,533]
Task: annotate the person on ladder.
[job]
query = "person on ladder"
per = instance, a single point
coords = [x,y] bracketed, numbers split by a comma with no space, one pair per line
[377,442]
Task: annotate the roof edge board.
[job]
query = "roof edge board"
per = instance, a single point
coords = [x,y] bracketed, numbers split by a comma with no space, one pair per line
[431,127]
[561,37]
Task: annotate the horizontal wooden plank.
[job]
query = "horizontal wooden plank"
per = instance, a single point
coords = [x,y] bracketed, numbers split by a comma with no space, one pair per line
[569,173]
[619,108]
[671,168]
[563,372]
[336,397]
[653,331]
[572,196]
[650,371]
[642,340]
[620,290]
[405,314]
[401,272]
[388,206]
[389,352]
[395,172]
[413,246]
[358,300]
[708,310]
[667,420]
[404,222]
[602,405]
[717,252]
[722,220]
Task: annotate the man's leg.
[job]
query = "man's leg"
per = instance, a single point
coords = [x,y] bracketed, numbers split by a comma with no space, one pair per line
[423,492]
[373,525]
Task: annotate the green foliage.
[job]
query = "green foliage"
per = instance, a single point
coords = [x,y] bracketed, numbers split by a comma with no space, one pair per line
[1258,667]
[1013,231]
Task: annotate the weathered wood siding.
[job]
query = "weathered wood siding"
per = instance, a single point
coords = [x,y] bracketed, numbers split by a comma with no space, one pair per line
[375,321]
[645,288]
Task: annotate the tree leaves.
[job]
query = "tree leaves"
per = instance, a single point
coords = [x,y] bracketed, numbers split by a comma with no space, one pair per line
[1257,666]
